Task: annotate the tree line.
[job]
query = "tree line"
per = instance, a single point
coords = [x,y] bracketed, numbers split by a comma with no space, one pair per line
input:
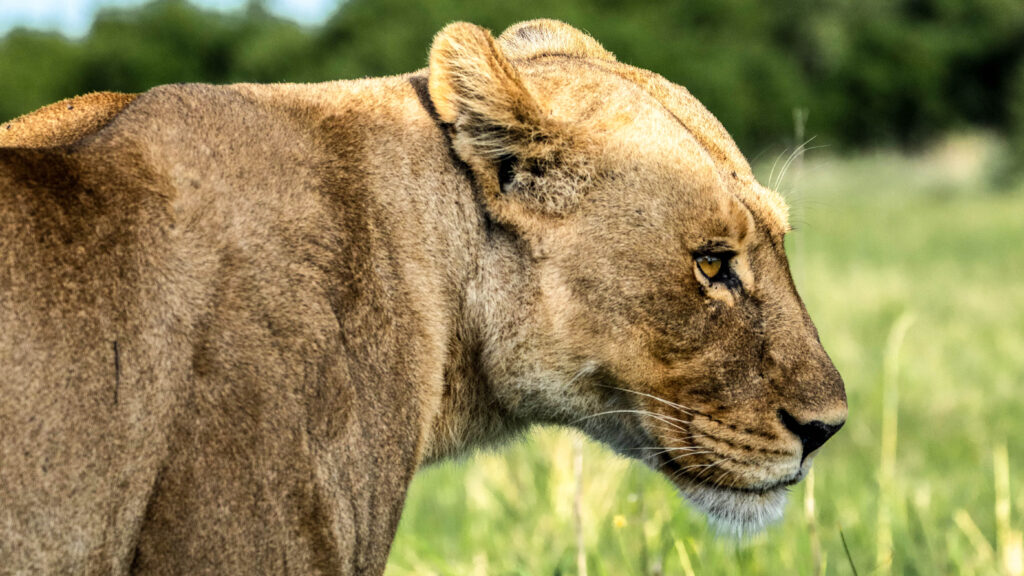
[865,72]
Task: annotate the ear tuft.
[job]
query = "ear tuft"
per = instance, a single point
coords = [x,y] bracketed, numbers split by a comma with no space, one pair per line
[535,38]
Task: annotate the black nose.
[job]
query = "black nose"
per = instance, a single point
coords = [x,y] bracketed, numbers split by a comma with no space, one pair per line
[812,434]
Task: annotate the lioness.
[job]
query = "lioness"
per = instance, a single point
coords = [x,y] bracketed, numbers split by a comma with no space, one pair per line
[235,320]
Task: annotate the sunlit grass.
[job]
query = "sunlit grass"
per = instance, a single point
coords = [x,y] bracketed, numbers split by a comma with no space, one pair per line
[924,481]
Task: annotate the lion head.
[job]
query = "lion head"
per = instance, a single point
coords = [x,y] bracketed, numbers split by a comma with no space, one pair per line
[656,311]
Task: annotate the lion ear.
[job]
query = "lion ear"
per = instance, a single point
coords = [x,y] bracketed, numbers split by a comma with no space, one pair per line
[518,153]
[475,88]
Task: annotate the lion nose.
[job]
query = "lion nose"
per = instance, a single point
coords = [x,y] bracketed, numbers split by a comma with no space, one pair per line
[811,434]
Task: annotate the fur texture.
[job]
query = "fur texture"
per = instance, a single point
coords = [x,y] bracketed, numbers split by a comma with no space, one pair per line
[234,321]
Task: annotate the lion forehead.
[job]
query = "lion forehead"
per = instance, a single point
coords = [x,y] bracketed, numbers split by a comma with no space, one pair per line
[581,65]
[767,205]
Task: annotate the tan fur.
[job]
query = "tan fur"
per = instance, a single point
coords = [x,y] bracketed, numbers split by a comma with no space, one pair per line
[538,38]
[234,321]
[64,122]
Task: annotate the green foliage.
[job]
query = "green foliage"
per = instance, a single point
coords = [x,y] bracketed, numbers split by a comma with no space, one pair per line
[1015,104]
[868,71]
[35,69]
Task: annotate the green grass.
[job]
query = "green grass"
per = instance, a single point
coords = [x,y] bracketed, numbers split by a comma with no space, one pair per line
[882,239]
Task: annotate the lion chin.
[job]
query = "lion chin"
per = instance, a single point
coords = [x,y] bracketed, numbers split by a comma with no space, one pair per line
[734,513]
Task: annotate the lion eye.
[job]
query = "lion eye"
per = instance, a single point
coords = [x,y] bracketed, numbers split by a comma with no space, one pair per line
[710,266]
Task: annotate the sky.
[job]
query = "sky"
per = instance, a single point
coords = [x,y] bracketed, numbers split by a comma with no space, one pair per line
[73,17]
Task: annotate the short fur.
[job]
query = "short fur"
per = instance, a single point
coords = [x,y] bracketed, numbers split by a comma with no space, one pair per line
[234,321]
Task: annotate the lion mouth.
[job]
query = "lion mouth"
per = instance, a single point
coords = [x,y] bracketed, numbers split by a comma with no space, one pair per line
[738,512]
[671,468]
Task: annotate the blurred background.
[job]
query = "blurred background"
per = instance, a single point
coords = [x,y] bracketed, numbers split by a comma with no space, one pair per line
[895,128]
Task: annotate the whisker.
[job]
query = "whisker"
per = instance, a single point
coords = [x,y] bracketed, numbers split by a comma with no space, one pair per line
[732,484]
[691,435]
[692,466]
[685,452]
[683,456]
[792,156]
[664,419]
[686,438]
[718,463]
[801,149]
[581,373]
[672,448]
[703,475]
[679,407]
[672,432]
[773,168]
[681,473]
[666,416]
[705,469]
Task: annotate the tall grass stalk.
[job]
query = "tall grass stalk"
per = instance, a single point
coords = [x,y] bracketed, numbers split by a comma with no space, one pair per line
[684,558]
[846,551]
[982,549]
[812,525]
[1008,541]
[887,489]
[577,506]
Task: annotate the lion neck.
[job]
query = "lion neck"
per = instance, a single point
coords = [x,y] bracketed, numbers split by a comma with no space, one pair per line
[493,388]
[504,372]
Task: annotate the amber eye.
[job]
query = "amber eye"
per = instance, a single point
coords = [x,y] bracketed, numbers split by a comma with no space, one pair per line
[709,265]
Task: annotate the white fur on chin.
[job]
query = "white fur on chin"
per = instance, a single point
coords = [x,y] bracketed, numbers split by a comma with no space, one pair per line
[737,514]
